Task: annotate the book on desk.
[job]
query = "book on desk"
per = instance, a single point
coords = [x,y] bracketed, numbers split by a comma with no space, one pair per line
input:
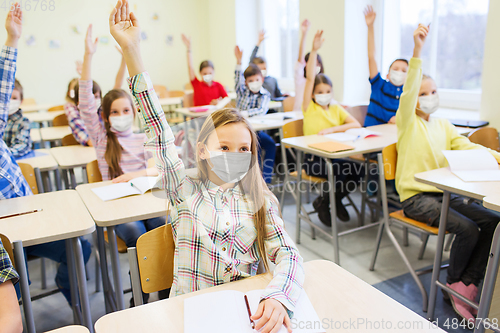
[139,185]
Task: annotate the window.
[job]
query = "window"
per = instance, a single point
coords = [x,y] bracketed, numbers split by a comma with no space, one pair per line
[453,55]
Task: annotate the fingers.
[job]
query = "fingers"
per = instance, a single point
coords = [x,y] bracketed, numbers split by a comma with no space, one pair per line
[134,20]
[118,16]
[259,311]
[287,323]
[265,318]
[88,36]
[278,323]
[125,13]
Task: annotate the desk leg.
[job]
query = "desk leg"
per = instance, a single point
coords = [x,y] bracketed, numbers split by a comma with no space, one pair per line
[84,175]
[109,300]
[65,179]
[439,254]
[333,211]
[115,266]
[298,197]
[25,288]
[39,180]
[73,178]
[57,175]
[82,283]
[75,302]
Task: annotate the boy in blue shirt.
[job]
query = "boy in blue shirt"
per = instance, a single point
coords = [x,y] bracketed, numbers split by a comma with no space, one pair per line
[12,182]
[384,99]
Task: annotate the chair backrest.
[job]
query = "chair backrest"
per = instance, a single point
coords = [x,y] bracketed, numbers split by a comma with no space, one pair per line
[188,100]
[56,108]
[69,140]
[155,256]
[358,112]
[288,104]
[293,129]
[390,157]
[29,101]
[60,120]
[175,93]
[93,173]
[8,247]
[188,86]
[485,136]
[29,175]
[161,90]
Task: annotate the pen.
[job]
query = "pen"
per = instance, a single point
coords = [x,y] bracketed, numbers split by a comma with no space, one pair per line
[19,214]
[359,136]
[249,312]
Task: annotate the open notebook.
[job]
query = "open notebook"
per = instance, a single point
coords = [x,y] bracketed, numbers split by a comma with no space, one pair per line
[139,185]
[475,165]
[226,312]
[223,102]
[353,134]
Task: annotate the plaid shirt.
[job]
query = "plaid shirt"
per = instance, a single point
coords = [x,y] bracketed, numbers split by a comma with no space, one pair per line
[255,104]
[17,134]
[76,124]
[7,272]
[213,229]
[12,182]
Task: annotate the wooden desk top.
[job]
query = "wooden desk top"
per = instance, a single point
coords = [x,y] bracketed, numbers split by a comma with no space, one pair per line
[37,107]
[63,216]
[445,180]
[44,163]
[492,202]
[70,157]
[54,133]
[337,296]
[39,117]
[35,135]
[71,329]
[123,210]
[362,146]
[270,120]
[170,101]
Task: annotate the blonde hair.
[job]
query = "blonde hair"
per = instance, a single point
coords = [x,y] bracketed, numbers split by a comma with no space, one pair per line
[252,185]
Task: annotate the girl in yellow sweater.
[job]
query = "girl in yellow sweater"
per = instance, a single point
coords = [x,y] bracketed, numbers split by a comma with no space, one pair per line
[421,140]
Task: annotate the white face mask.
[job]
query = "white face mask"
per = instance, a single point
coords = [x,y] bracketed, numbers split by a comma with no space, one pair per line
[255,86]
[230,167]
[98,102]
[323,99]
[208,78]
[72,93]
[14,106]
[397,78]
[318,69]
[121,123]
[264,72]
[429,104]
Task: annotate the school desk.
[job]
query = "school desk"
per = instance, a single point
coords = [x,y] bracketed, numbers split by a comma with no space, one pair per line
[41,117]
[342,301]
[45,164]
[53,134]
[70,329]
[388,136]
[37,107]
[63,216]
[170,102]
[71,157]
[108,214]
[446,181]
[35,135]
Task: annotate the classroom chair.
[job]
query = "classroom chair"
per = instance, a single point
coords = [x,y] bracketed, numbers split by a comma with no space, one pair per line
[56,108]
[485,136]
[175,93]
[188,86]
[187,100]
[28,101]
[161,91]
[152,262]
[288,104]
[69,140]
[358,112]
[387,161]
[60,120]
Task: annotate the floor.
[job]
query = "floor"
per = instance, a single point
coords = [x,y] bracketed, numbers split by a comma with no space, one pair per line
[355,253]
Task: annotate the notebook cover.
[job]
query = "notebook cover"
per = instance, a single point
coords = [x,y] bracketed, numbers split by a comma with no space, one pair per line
[469,123]
[331,146]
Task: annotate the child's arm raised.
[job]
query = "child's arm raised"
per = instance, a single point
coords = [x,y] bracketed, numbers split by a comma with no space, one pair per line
[311,69]
[304,28]
[262,36]
[187,41]
[121,71]
[239,80]
[370,19]
[125,29]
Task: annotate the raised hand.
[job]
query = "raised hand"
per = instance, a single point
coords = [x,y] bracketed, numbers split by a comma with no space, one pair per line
[262,36]
[79,66]
[304,27]
[187,41]
[14,24]
[124,26]
[318,40]
[119,50]
[238,53]
[419,37]
[370,15]
[90,45]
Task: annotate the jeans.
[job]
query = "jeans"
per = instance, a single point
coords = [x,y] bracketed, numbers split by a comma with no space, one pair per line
[473,226]
[131,231]
[269,146]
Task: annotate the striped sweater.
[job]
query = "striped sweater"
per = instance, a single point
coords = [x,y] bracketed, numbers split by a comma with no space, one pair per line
[134,157]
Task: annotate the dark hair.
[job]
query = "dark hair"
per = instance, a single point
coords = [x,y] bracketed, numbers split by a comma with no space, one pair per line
[319,79]
[95,89]
[19,87]
[400,59]
[258,60]
[113,154]
[206,63]
[319,62]
[252,70]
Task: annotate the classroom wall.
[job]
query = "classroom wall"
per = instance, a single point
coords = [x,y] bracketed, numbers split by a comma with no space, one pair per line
[490,99]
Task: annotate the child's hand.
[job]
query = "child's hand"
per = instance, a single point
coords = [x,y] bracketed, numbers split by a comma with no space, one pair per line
[370,15]
[187,41]
[262,36]
[419,37]
[318,40]
[128,176]
[14,23]
[238,54]
[392,120]
[90,46]
[214,101]
[304,27]
[327,131]
[119,50]
[272,314]
[124,26]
